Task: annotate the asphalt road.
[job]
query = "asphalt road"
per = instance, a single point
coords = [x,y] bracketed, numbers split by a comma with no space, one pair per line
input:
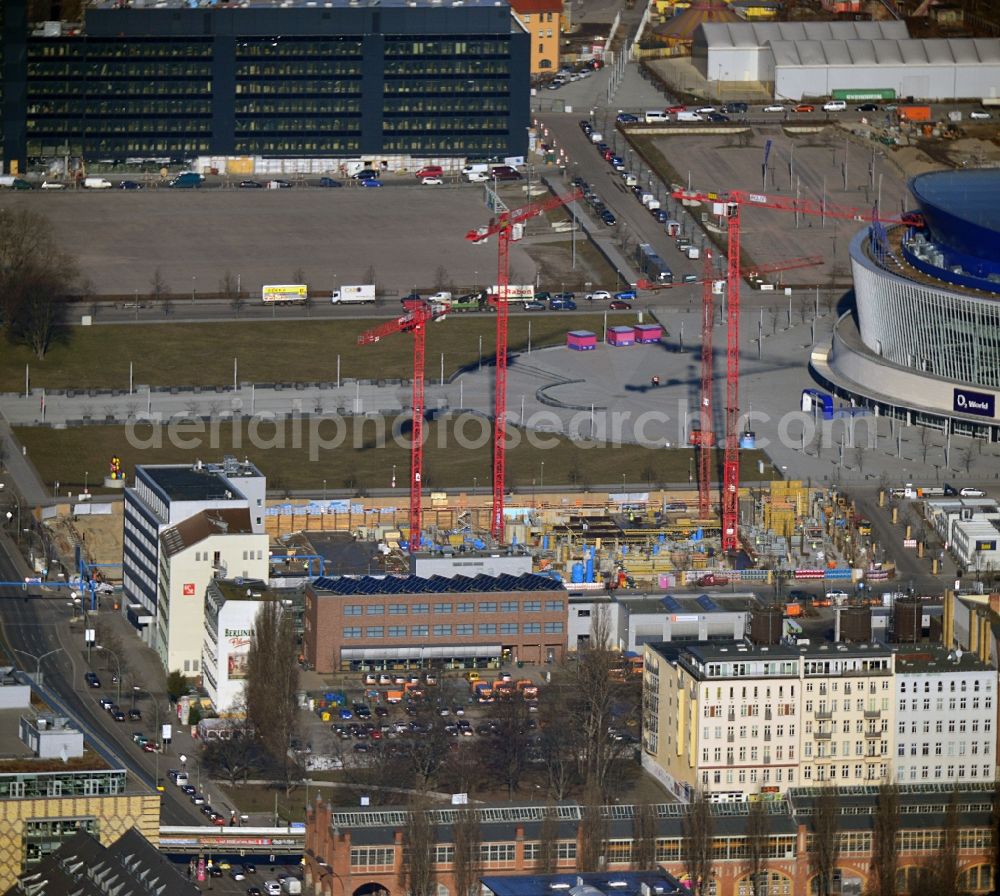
[34,626]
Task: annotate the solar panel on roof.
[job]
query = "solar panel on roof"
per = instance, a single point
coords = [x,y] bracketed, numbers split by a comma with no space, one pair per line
[670,604]
[706,603]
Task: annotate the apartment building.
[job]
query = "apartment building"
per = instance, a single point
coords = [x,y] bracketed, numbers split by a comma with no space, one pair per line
[163,497]
[542,20]
[945,717]
[722,716]
[741,720]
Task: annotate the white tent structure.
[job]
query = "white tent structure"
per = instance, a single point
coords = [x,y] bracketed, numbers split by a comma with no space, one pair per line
[812,59]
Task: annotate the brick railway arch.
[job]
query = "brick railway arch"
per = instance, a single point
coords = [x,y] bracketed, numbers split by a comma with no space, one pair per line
[776,884]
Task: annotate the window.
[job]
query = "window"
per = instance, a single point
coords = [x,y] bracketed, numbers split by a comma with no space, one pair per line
[397,609]
[487,628]
[444,855]
[464,630]
[553,628]
[352,610]
[441,631]
[352,631]
[442,608]
[375,631]
[508,628]
[374,609]
[372,857]
[532,628]
[396,631]
[531,606]
[419,631]
[553,606]
[508,606]
[497,853]
[488,607]
[419,609]
[465,607]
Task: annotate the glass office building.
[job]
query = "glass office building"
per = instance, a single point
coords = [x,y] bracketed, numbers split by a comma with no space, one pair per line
[341,78]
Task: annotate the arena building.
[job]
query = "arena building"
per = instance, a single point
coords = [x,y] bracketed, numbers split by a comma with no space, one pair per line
[924,343]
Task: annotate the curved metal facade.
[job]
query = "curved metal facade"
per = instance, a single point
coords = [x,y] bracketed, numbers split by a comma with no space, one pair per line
[928,328]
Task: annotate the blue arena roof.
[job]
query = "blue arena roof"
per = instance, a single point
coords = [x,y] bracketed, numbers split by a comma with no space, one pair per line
[355,585]
[962,211]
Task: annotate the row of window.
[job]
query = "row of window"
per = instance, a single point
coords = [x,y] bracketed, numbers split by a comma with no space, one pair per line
[754,753]
[942,772]
[438,87]
[54,90]
[960,724]
[938,747]
[354,632]
[321,68]
[953,686]
[382,858]
[477,48]
[122,106]
[124,146]
[111,126]
[318,106]
[861,748]
[751,731]
[137,68]
[339,88]
[954,703]
[442,608]
[85,783]
[279,126]
[297,49]
[447,68]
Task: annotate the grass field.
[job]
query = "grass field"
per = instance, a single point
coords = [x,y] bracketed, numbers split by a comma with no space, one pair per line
[267,351]
[66,455]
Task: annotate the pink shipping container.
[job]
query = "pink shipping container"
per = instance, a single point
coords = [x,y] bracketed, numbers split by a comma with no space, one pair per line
[645,333]
[621,336]
[581,340]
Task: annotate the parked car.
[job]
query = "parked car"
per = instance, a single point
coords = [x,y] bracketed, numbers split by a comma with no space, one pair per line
[562,305]
[972,493]
[627,118]
[365,174]
[129,185]
[661,215]
[197,799]
[52,185]
[705,110]
[586,126]
[627,295]
[673,110]
[867,107]
[717,117]
[329,182]
[979,114]
[433,181]
[834,106]
[279,185]
[608,218]
[618,305]
[370,182]
[254,891]
[528,306]
[601,295]
[135,715]
[118,715]
[804,107]
[251,185]
[773,107]
[737,108]
[92,679]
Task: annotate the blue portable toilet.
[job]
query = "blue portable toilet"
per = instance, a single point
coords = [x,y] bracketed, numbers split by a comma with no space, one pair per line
[576,574]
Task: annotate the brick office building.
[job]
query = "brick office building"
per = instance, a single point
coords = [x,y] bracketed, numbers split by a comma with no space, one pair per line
[351,851]
[370,622]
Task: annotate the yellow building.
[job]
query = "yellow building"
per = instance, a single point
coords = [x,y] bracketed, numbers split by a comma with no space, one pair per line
[542,20]
[40,809]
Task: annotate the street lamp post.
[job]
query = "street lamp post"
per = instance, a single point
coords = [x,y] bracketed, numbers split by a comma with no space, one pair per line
[118,668]
[135,690]
[38,661]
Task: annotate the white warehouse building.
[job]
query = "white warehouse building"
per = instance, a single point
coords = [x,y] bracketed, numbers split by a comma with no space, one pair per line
[813,59]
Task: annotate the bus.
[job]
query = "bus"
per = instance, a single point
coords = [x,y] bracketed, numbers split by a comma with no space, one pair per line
[651,265]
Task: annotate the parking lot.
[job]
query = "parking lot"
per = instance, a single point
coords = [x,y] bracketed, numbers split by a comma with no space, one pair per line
[219,876]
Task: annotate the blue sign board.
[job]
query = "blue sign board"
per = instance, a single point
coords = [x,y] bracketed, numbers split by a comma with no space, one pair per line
[965,401]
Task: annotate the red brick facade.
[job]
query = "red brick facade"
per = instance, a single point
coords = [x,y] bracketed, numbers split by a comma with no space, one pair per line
[341,861]
[344,631]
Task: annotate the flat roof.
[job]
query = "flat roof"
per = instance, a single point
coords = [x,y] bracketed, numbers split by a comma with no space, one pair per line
[245,589]
[442,585]
[933,658]
[190,484]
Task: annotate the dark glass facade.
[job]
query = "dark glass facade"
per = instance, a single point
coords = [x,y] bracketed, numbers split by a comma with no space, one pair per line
[411,77]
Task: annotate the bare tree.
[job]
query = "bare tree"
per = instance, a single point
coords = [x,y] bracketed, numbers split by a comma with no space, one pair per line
[947,870]
[298,276]
[467,864]
[885,848]
[416,872]
[272,680]
[697,842]
[157,286]
[758,841]
[229,289]
[859,458]
[441,278]
[548,836]
[36,277]
[508,756]
[644,838]
[824,844]
[967,457]
[593,829]
[234,755]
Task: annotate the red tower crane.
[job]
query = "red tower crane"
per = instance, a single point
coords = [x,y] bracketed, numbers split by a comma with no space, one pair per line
[704,438]
[508,226]
[415,320]
[727,205]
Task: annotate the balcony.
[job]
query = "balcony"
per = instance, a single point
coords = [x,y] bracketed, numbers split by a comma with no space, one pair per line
[873,713]
[823,735]
[823,714]
[873,734]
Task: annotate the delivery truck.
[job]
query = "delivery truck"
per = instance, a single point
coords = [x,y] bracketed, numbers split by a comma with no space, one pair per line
[914,113]
[363,294]
[96,183]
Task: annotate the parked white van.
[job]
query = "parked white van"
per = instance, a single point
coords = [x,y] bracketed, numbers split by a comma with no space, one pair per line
[834,106]
[689,116]
[656,117]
